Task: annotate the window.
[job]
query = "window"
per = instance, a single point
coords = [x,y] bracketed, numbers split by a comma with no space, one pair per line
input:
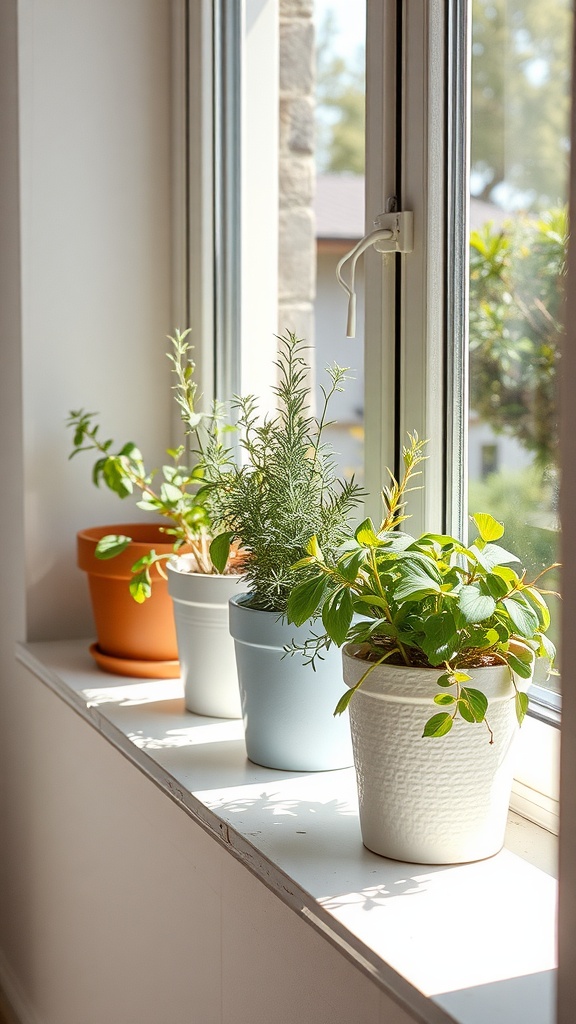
[417,308]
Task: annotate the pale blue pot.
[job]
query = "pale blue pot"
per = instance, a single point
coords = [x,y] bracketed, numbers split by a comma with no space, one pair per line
[287,707]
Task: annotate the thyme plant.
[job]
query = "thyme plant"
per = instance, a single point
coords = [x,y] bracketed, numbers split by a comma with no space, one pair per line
[181,497]
[431,601]
[286,490]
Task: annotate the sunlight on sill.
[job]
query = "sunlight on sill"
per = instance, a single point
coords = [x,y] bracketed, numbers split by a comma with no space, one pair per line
[133,692]
[218,731]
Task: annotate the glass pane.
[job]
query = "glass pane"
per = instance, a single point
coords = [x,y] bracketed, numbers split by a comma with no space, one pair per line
[519,188]
[339,211]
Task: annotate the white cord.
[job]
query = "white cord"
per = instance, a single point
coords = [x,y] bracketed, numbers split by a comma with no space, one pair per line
[353,255]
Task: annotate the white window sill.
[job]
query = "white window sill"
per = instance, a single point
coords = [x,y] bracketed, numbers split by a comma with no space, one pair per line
[475,940]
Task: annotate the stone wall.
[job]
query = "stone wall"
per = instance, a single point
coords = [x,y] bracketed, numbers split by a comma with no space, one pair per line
[297,244]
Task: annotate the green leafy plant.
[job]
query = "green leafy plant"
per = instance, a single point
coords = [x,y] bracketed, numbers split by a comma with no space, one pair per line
[429,601]
[181,496]
[286,490]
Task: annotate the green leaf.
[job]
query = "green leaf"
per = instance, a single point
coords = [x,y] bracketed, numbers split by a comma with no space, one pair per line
[373,600]
[521,703]
[521,668]
[415,583]
[146,561]
[542,609]
[438,725]
[304,600]
[492,556]
[344,702]
[170,494]
[446,679]
[149,504]
[507,574]
[440,642]
[220,550]
[444,698]
[476,701]
[522,614]
[393,542]
[495,585]
[313,548]
[115,478]
[365,534]
[475,607]
[547,648]
[337,615]
[141,586]
[466,711]
[111,545]
[460,677]
[350,563]
[488,528]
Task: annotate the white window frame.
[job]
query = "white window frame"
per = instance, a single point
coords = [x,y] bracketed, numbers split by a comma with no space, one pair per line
[226,126]
[417,150]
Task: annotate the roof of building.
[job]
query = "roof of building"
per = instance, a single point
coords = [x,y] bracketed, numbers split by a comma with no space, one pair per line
[339,208]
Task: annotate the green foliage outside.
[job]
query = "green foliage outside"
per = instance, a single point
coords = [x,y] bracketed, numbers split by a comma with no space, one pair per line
[520,100]
[340,105]
[520,85]
[516,294]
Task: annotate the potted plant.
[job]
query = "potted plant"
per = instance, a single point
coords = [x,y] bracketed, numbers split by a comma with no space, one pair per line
[446,648]
[157,579]
[284,492]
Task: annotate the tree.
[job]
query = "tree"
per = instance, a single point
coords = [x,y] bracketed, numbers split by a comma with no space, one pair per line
[339,105]
[520,101]
[516,293]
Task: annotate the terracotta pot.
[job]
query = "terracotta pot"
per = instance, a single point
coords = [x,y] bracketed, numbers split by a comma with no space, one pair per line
[125,629]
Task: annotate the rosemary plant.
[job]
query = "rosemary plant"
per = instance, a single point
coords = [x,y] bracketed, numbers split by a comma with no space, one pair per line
[286,491]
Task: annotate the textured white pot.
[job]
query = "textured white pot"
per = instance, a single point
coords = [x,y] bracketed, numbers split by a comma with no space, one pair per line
[430,800]
[287,706]
[205,647]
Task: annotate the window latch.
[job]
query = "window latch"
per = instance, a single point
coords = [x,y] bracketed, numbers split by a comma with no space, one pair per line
[393,232]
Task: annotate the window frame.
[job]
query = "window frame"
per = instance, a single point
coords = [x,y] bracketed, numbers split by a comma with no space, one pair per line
[417,149]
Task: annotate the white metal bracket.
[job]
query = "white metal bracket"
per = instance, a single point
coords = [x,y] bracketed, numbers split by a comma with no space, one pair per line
[401,226]
[394,232]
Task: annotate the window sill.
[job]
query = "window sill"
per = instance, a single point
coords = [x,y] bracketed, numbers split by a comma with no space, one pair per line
[467,943]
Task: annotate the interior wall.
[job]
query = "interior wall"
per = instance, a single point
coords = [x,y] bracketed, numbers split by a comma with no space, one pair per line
[93,103]
[120,908]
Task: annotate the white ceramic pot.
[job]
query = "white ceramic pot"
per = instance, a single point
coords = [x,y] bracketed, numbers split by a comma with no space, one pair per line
[205,647]
[287,706]
[430,800]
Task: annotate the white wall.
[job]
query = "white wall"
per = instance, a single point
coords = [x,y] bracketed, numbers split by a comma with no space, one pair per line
[121,909]
[95,177]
